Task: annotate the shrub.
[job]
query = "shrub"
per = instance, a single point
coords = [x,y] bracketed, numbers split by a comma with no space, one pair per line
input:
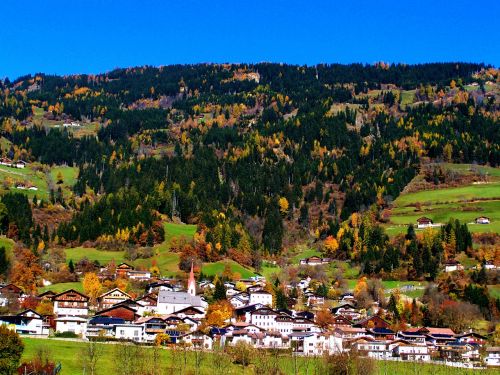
[66,335]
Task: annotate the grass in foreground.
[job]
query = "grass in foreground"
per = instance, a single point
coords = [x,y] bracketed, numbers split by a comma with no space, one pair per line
[69,354]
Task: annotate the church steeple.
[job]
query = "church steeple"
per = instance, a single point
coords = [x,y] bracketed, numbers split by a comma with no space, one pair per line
[191,287]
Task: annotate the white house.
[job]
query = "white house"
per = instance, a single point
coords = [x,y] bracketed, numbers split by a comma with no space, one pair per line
[482,220]
[134,332]
[452,266]
[74,324]
[264,318]
[27,322]
[493,356]
[372,348]
[412,352]
[261,296]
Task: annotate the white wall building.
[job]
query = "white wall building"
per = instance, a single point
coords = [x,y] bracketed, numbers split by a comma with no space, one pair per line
[134,332]
[262,297]
[74,324]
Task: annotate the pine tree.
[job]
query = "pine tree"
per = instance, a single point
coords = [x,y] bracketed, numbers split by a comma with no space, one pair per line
[281,300]
[4,261]
[272,235]
[71,266]
[393,307]
[220,291]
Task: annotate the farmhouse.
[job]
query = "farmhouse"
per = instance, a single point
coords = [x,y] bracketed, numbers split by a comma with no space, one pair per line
[314,261]
[424,222]
[74,324]
[482,220]
[27,322]
[452,265]
[493,356]
[171,302]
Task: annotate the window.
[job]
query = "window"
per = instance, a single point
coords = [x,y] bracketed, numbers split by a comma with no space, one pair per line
[122,332]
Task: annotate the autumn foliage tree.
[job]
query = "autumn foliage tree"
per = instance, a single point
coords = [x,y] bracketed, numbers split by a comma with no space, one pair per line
[92,286]
[26,271]
[219,313]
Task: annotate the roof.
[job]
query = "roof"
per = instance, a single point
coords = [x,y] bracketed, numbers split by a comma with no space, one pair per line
[166,296]
[70,291]
[423,218]
[437,330]
[105,320]
[382,331]
[114,290]
[71,319]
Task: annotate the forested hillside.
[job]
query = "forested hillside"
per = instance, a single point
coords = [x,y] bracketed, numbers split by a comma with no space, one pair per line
[261,157]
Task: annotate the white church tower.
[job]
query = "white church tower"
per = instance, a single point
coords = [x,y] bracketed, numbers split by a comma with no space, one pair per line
[191,287]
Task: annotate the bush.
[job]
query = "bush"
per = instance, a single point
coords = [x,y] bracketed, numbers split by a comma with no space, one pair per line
[66,335]
[11,349]
[242,353]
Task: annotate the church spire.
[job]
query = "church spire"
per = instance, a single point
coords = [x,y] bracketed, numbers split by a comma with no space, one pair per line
[191,287]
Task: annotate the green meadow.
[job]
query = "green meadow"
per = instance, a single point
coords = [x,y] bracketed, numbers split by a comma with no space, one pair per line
[464,203]
[70,355]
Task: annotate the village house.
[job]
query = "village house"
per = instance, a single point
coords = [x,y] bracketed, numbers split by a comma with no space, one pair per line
[492,356]
[264,318]
[346,310]
[452,265]
[372,348]
[459,351]
[411,352]
[125,311]
[10,293]
[314,261]
[197,339]
[132,332]
[239,300]
[424,222]
[482,220]
[123,269]
[102,326]
[262,297]
[27,322]
[112,297]
[73,324]
[374,321]
[71,303]
[350,332]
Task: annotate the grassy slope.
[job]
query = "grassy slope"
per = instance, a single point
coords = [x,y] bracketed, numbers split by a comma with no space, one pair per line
[69,354]
[217,268]
[464,203]
[25,175]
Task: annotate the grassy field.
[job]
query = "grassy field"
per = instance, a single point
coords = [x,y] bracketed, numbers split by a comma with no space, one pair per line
[217,268]
[70,354]
[102,256]
[61,287]
[25,176]
[464,203]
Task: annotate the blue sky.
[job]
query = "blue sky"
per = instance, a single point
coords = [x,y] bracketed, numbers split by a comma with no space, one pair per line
[91,36]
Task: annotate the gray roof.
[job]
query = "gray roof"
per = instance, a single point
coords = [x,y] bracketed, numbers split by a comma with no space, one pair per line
[167,296]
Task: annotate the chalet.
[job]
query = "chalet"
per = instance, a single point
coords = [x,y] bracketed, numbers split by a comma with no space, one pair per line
[411,352]
[244,313]
[381,333]
[239,300]
[305,314]
[195,313]
[435,337]
[411,336]
[112,297]
[482,220]
[73,324]
[260,296]
[424,222]
[372,348]
[122,311]
[346,310]
[452,265]
[471,337]
[11,289]
[492,356]
[27,322]
[171,302]
[71,303]
[341,321]
[350,332]
[374,321]
[148,301]
[197,339]
[48,295]
[459,351]
[123,269]
[6,161]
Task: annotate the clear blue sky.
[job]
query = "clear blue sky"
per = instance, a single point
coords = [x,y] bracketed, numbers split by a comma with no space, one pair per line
[91,36]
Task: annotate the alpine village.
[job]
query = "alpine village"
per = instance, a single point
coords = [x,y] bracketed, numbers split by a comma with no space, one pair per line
[251,219]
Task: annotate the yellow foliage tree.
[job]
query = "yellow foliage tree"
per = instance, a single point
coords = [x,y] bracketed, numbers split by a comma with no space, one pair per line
[331,244]
[283,203]
[92,286]
[219,313]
